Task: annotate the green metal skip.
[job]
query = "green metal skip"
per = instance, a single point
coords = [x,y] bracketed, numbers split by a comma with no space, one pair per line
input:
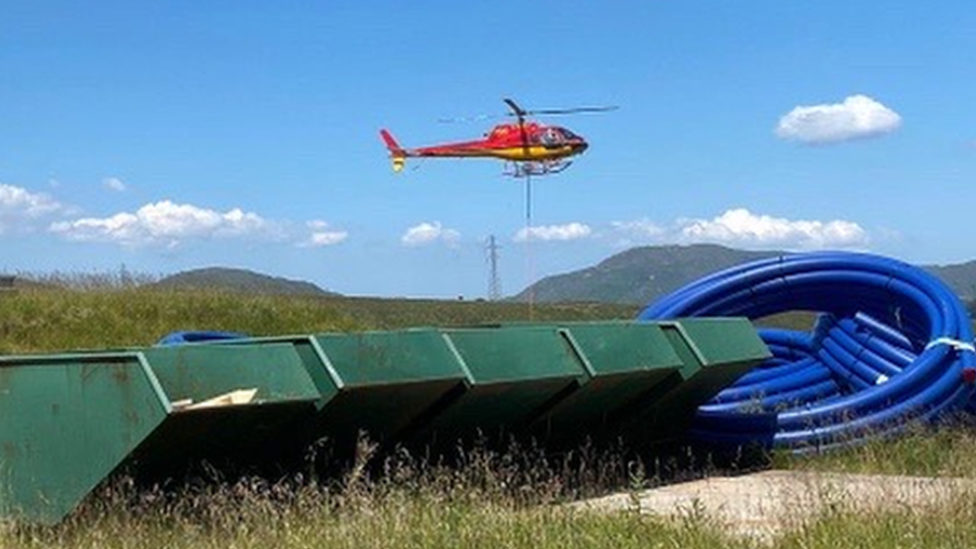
[68,421]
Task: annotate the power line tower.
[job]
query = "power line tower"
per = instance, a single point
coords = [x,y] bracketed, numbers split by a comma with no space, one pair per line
[494,281]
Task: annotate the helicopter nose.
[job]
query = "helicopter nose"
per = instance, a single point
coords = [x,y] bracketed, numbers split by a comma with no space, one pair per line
[581,147]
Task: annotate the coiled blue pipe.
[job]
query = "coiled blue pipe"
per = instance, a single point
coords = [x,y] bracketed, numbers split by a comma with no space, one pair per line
[892,344]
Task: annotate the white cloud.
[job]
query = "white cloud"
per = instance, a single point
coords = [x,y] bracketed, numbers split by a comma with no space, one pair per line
[742,227]
[17,199]
[627,233]
[641,227]
[858,117]
[164,223]
[114,184]
[569,231]
[20,208]
[322,235]
[429,233]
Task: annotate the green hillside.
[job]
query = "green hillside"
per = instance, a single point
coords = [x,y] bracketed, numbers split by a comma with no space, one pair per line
[960,277]
[640,275]
[237,281]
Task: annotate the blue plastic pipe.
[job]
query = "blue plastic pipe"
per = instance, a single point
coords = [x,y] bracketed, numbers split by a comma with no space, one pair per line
[892,344]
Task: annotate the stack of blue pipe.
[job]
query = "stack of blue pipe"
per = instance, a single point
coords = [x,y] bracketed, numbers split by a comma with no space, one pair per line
[892,345]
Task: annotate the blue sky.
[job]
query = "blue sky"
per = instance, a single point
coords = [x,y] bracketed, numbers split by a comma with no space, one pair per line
[166,136]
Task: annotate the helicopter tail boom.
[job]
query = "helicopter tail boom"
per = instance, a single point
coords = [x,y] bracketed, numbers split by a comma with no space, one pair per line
[397,153]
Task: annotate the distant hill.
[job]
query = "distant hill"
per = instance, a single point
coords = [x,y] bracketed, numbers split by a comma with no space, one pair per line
[961,277]
[237,280]
[640,275]
[9,282]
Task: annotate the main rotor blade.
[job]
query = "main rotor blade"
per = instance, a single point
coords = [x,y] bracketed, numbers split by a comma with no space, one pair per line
[475,118]
[573,110]
[516,110]
[520,113]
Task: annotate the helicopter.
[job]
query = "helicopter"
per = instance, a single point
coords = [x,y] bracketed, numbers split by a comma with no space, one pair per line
[528,147]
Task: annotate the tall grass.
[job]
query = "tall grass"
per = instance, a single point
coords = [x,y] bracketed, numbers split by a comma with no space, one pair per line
[948,451]
[53,319]
[123,278]
[399,522]
[411,521]
[489,500]
[944,526]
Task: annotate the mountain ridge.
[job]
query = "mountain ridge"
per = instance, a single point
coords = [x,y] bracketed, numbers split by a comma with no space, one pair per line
[636,276]
[639,275]
[237,280]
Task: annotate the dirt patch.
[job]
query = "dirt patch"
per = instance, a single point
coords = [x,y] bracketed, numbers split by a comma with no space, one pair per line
[764,505]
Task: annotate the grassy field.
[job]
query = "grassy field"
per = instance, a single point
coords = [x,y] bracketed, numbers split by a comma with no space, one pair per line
[489,500]
[45,320]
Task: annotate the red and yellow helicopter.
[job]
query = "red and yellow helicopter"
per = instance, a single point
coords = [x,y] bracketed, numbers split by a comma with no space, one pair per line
[529,147]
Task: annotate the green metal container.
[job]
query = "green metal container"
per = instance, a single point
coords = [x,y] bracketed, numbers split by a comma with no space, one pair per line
[68,421]
[513,373]
[622,362]
[714,353]
[276,396]
[386,381]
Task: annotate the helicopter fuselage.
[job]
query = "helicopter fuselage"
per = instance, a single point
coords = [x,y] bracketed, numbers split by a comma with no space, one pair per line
[528,142]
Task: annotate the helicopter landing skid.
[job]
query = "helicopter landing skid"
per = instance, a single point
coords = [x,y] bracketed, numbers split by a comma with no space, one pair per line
[535,168]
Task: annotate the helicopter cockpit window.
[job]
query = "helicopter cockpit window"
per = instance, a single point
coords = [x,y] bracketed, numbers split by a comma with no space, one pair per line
[551,136]
[568,135]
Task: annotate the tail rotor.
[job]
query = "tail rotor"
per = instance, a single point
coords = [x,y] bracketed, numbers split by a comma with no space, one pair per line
[398,155]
